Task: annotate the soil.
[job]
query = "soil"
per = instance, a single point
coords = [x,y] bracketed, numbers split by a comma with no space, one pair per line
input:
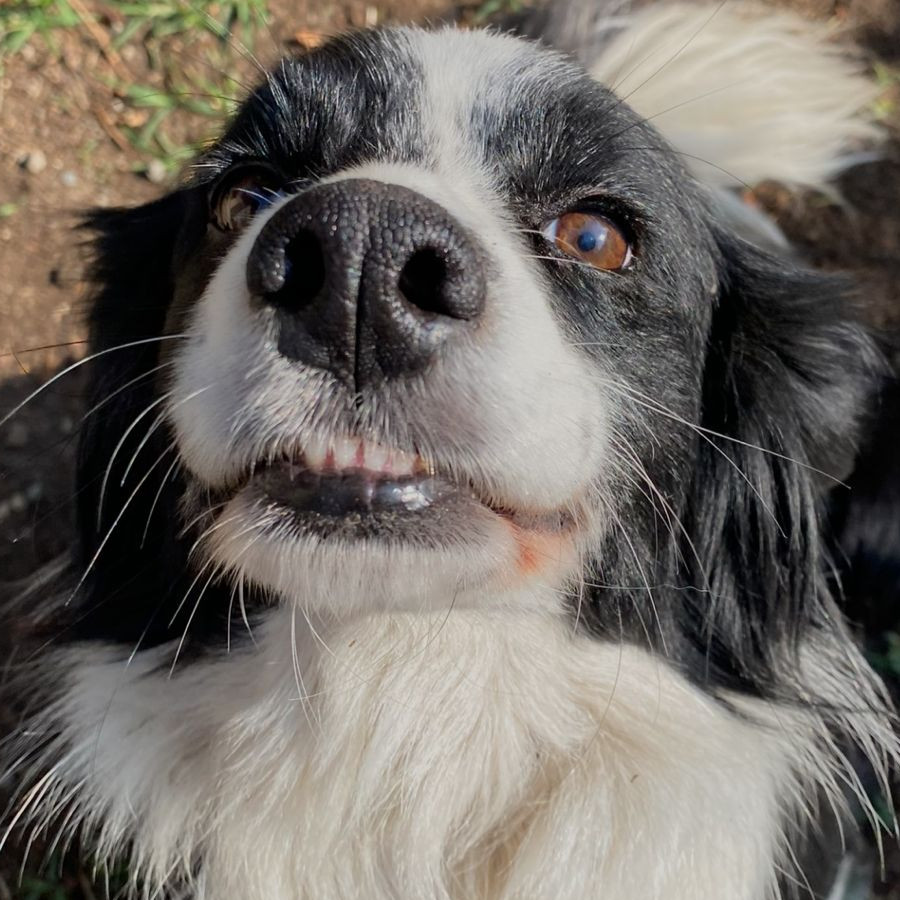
[62,150]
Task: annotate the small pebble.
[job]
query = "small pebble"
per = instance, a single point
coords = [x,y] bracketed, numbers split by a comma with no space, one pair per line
[69,178]
[35,162]
[156,171]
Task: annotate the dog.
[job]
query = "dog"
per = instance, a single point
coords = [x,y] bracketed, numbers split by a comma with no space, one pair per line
[453,498]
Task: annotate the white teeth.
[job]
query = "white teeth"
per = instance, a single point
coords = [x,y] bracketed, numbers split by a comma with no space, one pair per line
[315,451]
[376,459]
[345,453]
[353,453]
[402,463]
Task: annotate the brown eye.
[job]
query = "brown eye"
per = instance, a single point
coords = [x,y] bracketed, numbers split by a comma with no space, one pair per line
[241,194]
[592,238]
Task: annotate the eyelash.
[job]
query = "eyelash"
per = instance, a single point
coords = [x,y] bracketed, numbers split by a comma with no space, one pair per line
[263,184]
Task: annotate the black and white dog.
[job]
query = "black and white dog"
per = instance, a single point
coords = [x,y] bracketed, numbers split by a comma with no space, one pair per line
[451,499]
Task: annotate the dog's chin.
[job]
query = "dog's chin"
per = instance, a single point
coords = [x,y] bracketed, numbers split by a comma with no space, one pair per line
[360,541]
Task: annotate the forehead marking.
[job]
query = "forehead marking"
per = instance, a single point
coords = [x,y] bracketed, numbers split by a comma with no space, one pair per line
[463,70]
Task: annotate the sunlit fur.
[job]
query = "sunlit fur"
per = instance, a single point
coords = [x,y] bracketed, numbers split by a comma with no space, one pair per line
[646,704]
[469,756]
[746,92]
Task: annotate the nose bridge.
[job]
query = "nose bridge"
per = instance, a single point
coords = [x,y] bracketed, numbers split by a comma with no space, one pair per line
[365,279]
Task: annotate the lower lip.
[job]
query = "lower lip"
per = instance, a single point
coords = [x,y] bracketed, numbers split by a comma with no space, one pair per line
[364,503]
[424,512]
[354,492]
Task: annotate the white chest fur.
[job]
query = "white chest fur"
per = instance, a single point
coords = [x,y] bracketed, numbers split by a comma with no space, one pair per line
[466,756]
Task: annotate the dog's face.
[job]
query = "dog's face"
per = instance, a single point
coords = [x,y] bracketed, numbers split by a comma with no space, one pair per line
[450,321]
[413,314]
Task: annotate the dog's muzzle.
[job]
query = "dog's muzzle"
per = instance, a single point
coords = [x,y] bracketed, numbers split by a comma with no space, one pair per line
[369,281]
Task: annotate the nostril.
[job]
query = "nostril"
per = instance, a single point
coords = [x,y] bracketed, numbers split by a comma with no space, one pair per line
[423,281]
[304,271]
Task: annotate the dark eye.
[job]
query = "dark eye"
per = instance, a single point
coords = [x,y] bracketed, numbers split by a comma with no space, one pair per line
[243,192]
[591,238]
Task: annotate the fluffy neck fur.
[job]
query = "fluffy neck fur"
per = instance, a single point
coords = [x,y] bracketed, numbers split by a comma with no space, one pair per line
[470,756]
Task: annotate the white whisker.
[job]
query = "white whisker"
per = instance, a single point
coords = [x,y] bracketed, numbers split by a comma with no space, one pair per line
[81,362]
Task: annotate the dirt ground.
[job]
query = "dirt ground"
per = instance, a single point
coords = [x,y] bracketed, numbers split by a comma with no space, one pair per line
[62,150]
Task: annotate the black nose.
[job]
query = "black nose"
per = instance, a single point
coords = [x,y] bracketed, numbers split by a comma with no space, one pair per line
[367,280]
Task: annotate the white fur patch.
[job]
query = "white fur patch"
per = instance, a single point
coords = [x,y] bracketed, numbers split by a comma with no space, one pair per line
[746,93]
[471,756]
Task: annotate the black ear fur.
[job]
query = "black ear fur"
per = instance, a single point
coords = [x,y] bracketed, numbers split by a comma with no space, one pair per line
[129,576]
[788,377]
[865,521]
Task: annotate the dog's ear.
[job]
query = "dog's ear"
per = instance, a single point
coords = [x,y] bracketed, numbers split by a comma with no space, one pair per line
[790,362]
[136,252]
[787,381]
[787,101]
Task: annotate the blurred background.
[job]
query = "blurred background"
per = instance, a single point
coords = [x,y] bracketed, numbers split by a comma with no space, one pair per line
[104,103]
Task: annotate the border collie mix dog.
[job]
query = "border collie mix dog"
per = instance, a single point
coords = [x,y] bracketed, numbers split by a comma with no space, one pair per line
[450,502]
